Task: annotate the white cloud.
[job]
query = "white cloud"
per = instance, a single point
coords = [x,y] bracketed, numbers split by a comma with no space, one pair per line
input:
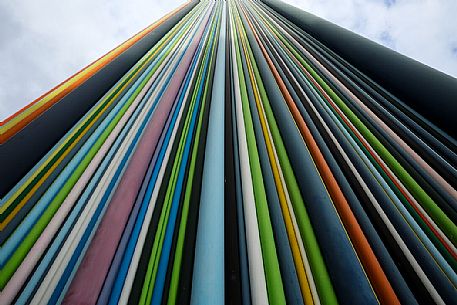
[424,30]
[44,42]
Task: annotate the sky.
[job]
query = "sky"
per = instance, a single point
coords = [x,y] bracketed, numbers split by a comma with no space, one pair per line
[44,42]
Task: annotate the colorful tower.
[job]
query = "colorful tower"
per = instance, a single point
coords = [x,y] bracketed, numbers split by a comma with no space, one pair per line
[239,152]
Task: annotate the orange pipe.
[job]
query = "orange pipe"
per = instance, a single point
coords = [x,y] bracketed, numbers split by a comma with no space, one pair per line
[381,164]
[96,65]
[378,279]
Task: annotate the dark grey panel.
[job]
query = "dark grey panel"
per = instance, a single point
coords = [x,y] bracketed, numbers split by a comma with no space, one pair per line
[431,93]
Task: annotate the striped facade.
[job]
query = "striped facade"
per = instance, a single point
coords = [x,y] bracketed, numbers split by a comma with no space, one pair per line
[239,152]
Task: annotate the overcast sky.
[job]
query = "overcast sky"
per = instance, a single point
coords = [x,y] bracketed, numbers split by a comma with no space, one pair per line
[42,42]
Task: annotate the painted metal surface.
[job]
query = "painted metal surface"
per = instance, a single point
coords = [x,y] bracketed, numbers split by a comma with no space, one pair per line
[238,159]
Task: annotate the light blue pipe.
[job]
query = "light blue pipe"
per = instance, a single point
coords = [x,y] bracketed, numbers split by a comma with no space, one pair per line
[208,275]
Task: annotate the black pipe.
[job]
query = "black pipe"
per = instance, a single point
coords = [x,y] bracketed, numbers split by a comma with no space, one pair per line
[21,152]
[431,93]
